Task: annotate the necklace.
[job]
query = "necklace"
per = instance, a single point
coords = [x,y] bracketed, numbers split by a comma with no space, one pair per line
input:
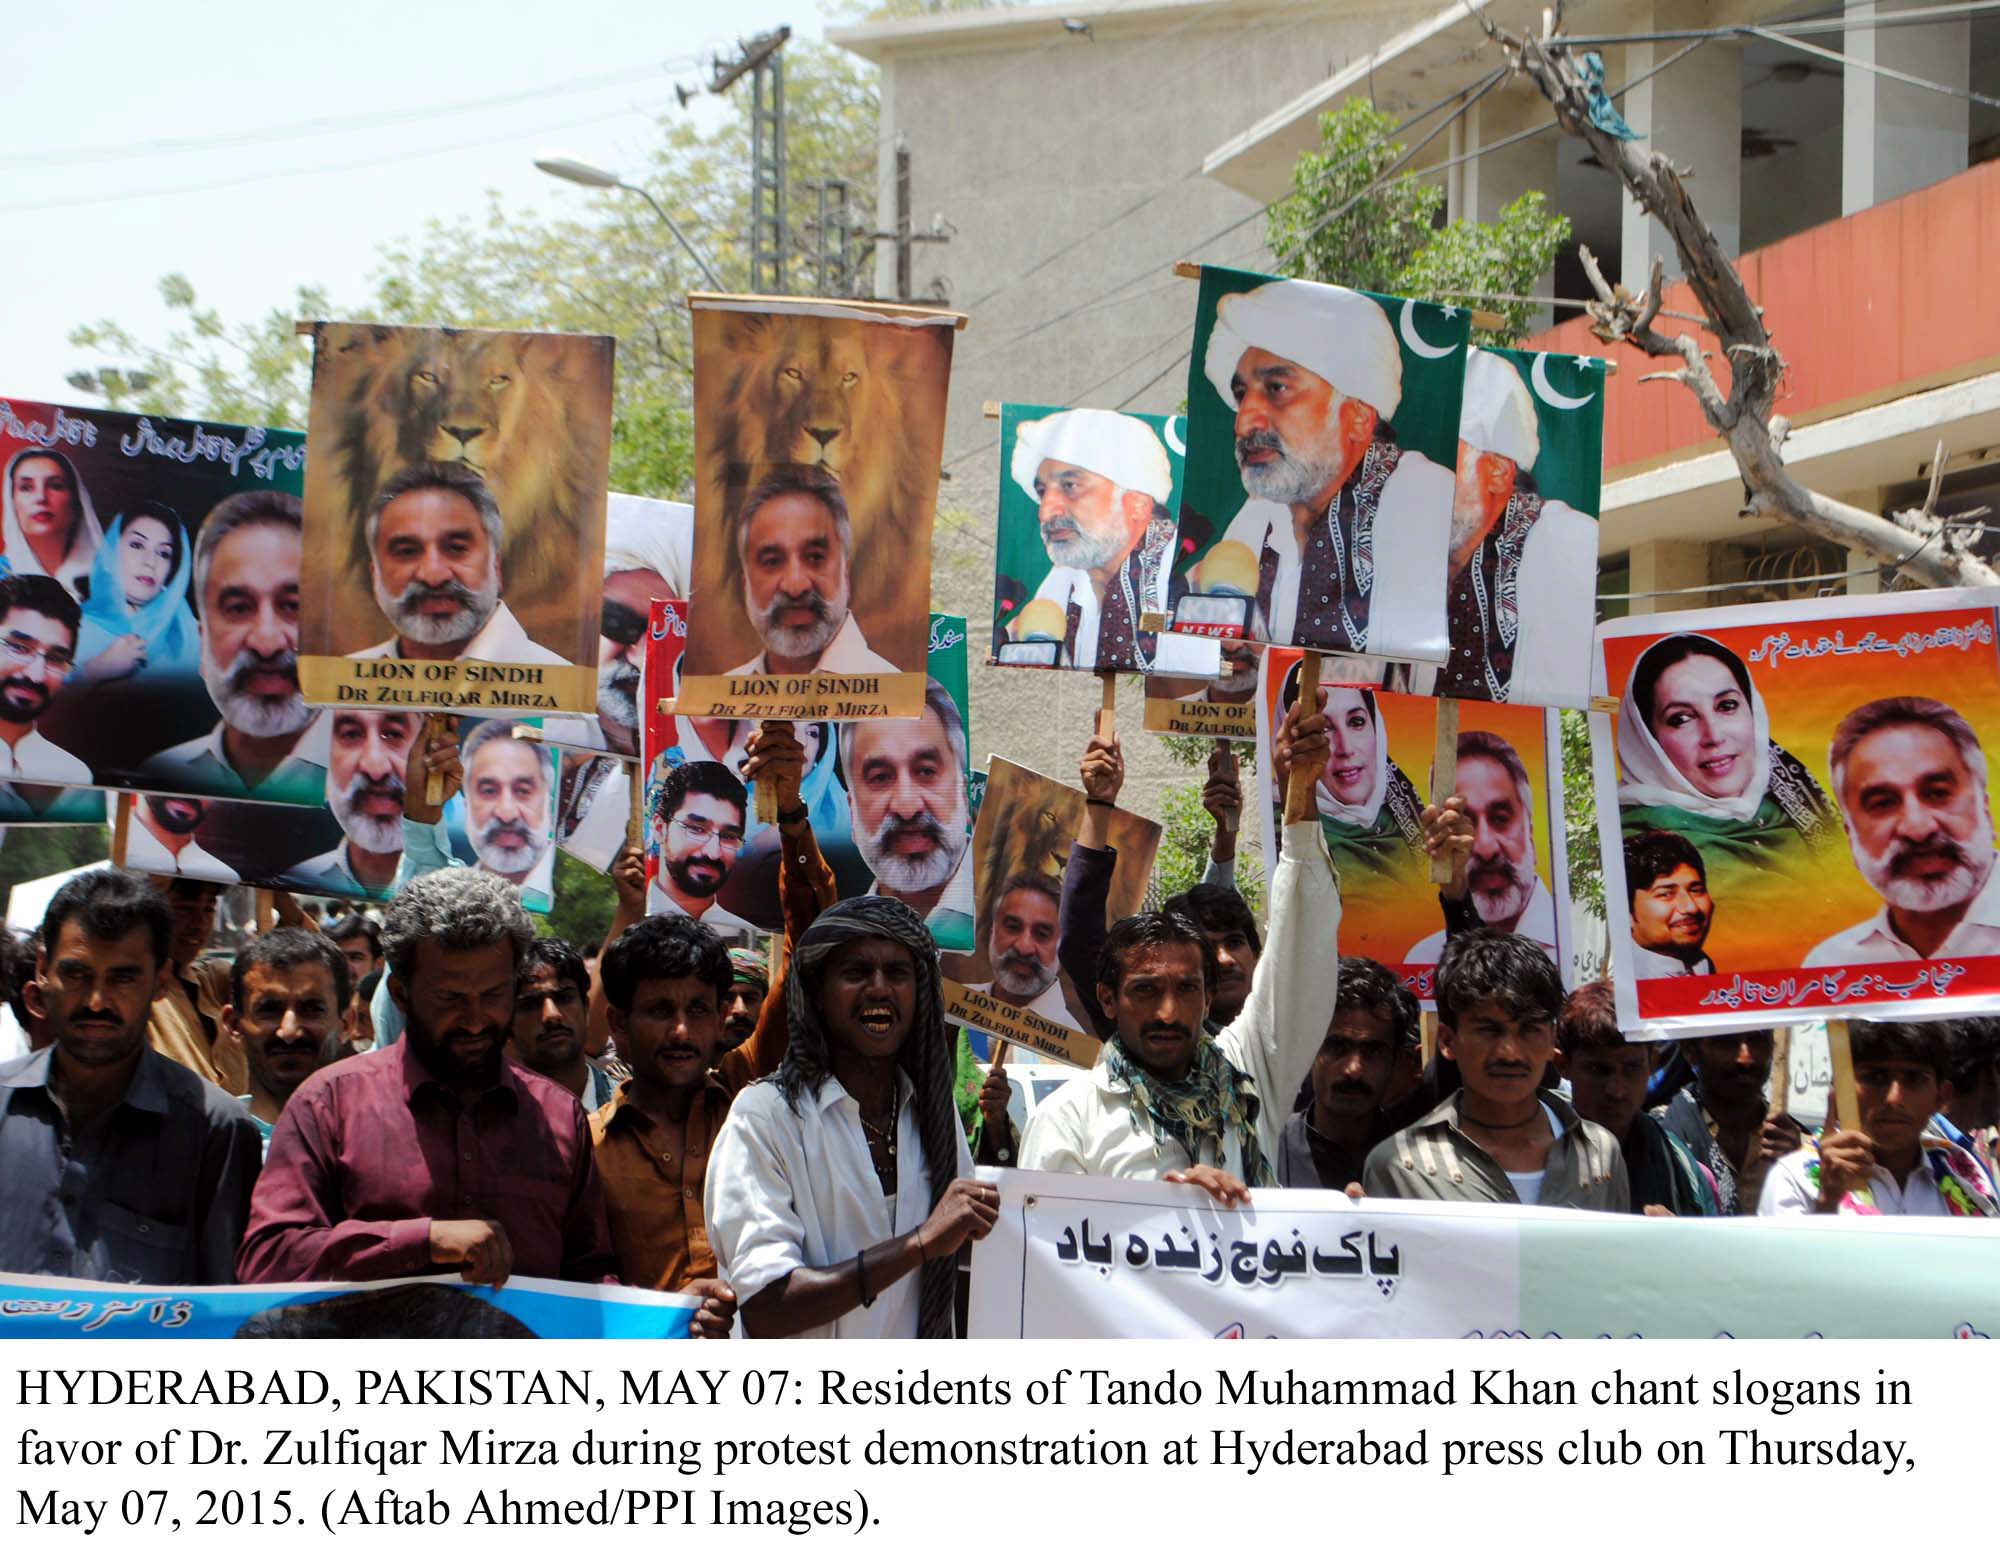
[883,1137]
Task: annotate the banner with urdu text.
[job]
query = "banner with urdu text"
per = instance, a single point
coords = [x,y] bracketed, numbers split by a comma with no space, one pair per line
[1078,1256]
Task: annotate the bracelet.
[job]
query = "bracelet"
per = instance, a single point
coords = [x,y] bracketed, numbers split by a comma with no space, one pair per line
[791,816]
[861,1278]
[1099,803]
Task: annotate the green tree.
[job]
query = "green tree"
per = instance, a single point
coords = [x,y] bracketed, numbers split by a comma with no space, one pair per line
[584,902]
[1586,855]
[36,851]
[1350,221]
[1188,830]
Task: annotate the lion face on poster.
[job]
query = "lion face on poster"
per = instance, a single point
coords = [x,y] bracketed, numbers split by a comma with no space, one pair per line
[495,402]
[850,397]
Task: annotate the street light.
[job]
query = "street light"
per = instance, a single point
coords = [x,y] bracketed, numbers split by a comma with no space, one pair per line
[570,170]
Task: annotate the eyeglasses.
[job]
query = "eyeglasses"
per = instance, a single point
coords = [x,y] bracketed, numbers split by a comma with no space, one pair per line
[622,625]
[700,831]
[25,650]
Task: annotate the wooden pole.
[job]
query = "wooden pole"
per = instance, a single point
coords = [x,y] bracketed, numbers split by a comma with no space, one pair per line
[121,827]
[1225,754]
[435,726]
[267,910]
[1843,1112]
[1444,775]
[1299,804]
[1781,1069]
[1427,1038]
[1107,705]
[635,824]
[766,798]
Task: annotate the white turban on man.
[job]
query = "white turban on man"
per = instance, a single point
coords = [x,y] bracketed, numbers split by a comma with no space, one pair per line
[1497,414]
[641,534]
[1334,333]
[1121,448]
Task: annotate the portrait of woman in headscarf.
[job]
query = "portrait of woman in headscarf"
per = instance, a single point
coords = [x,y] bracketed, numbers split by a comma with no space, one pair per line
[48,525]
[1696,756]
[136,619]
[1369,811]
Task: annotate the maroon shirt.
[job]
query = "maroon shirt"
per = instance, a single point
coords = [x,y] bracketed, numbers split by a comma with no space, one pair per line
[371,1149]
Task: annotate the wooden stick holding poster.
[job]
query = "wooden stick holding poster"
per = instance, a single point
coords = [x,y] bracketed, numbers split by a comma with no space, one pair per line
[1107,706]
[1781,1069]
[1444,775]
[1299,802]
[121,826]
[1846,1113]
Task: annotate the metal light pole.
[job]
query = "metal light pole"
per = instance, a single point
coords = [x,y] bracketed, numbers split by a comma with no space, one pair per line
[571,170]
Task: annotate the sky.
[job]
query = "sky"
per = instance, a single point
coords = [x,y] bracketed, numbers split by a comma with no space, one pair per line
[98,199]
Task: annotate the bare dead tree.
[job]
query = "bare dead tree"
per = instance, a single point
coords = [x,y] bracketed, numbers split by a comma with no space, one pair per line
[1924,546]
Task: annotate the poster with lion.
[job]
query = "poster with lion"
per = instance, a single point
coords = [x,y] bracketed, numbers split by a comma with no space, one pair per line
[454,519]
[1012,984]
[149,582]
[1370,796]
[360,845]
[819,434]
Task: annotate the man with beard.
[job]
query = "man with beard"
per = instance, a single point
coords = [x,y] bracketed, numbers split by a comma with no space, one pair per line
[838,1197]
[1495,810]
[436,1152]
[38,626]
[1100,482]
[186,1025]
[1607,1078]
[1520,602]
[1021,949]
[119,1165]
[912,823]
[1911,780]
[749,985]
[1724,1120]
[364,791]
[1891,1160]
[551,1004]
[508,789]
[1671,906]
[1166,1100]
[795,544]
[288,993]
[698,828]
[1327,1139]
[161,839]
[1349,529]
[1500,1138]
[268,744]
[434,542]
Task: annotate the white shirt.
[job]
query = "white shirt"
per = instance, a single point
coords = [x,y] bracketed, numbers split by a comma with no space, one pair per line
[1090,1126]
[1412,548]
[1787,1191]
[1650,965]
[786,1191]
[1875,940]
[145,852]
[847,653]
[13,1038]
[694,750]
[34,758]
[330,873]
[1537,925]
[1172,653]
[660,903]
[1050,1005]
[201,767]
[500,640]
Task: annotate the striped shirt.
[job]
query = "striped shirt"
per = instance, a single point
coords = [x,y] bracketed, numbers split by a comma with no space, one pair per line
[1437,1162]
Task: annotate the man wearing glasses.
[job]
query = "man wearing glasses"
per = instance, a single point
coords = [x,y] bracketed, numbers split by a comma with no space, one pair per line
[698,832]
[38,626]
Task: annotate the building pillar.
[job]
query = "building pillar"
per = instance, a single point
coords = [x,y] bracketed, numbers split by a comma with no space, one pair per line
[1895,137]
[1659,565]
[1692,112]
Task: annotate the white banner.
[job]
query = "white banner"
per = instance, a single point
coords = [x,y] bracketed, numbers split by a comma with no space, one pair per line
[1079,1256]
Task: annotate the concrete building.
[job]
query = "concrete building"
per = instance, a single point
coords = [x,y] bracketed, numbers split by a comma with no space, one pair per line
[1079,150]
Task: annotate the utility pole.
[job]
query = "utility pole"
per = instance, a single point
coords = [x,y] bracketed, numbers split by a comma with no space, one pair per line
[902,236]
[833,238]
[760,59]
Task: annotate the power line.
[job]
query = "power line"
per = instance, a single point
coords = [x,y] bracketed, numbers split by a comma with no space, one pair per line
[329,125]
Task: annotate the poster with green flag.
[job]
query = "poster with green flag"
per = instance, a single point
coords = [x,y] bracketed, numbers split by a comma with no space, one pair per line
[1322,440]
[1523,581]
[1084,552]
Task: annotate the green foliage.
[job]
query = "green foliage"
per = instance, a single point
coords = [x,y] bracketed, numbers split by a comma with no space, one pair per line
[1188,829]
[1586,858]
[584,903]
[36,851]
[1349,222]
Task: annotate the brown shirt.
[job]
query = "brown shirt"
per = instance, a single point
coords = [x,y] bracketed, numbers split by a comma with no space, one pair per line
[186,1025]
[652,1195]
